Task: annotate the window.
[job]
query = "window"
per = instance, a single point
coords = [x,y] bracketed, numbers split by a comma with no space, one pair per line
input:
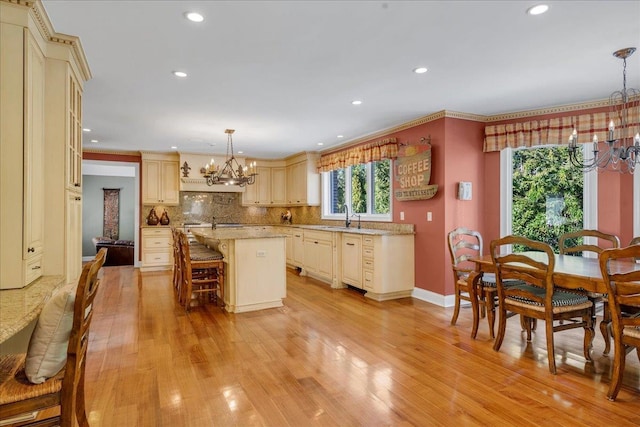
[541,197]
[365,189]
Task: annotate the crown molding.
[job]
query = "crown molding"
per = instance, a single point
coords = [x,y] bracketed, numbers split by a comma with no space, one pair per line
[548,110]
[114,152]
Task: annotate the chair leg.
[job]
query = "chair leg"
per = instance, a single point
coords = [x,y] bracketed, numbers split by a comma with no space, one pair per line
[605,324]
[456,310]
[619,356]
[502,326]
[489,303]
[551,355]
[589,334]
[472,284]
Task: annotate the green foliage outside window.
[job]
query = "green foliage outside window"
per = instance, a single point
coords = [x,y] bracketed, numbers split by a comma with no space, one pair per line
[382,187]
[547,195]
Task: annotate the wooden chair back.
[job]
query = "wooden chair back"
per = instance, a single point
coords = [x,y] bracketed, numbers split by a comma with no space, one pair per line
[621,276]
[72,398]
[199,277]
[570,243]
[519,266]
[464,244]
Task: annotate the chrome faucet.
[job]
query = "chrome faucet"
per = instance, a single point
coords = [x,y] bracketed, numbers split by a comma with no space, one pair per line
[213,223]
[347,221]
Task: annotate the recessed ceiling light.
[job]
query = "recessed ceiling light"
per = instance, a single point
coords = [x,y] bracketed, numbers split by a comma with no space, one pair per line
[180,74]
[86,130]
[320,143]
[240,152]
[340,136]
[356,102]
[94,140]
[538,9]
[173,147]
[194,16]
[420,70]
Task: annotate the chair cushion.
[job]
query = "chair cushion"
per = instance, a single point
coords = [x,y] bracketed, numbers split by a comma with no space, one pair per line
[561,298]
[47,352]
[205,255]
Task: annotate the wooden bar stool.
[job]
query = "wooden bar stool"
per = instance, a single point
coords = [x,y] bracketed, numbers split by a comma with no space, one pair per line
[202,273]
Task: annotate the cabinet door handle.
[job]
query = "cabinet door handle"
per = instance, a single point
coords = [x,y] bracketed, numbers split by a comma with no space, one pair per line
[37,267]
[31,249]
[77,184]
[78,198]
[351,244]
[297,235]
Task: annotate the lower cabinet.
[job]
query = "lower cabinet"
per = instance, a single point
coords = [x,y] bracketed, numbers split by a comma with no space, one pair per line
[297,247]
[382,265]
[318,254]
[157,249]
[73,236]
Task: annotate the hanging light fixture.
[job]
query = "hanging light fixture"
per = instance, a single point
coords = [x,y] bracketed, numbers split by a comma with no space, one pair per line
[231,173]
[622,151]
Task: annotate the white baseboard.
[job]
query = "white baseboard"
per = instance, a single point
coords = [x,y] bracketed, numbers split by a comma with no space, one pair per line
[437,299]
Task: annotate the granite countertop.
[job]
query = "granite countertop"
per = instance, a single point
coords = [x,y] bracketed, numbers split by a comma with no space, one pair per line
[352,230]
[250,231]
[18,307]
[235,233]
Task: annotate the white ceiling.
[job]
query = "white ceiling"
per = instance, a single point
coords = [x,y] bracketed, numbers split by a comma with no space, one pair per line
[284,73]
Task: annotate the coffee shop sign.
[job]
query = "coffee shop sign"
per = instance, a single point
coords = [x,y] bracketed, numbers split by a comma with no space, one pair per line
[413,173]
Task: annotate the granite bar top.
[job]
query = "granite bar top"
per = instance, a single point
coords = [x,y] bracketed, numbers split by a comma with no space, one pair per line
[18,307]
[236,233]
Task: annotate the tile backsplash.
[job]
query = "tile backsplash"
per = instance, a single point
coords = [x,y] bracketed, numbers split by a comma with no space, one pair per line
[227,208]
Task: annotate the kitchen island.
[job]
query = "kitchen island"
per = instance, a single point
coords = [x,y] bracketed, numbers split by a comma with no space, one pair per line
[255,266]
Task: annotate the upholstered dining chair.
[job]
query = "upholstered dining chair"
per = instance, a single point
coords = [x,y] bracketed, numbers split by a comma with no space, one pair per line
[51,374]
[537,297]
[573,244]
[622,278]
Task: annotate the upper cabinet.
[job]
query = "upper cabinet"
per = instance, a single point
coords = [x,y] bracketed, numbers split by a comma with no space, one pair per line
[160,179]
[303,180]
[39,159]
[293,182]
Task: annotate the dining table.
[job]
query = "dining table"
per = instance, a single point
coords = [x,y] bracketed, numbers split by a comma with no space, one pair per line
[569,272]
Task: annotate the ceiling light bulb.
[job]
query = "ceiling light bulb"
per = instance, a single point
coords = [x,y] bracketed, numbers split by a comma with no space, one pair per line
[340,136]
[173,147]
[356,102]
[320,143]
[240,152]
[180,74]
[538,9]
[420,70]
[94,140]
[194,16]
[86,130]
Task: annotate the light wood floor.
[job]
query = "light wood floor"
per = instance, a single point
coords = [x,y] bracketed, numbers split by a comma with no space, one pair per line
[331,357]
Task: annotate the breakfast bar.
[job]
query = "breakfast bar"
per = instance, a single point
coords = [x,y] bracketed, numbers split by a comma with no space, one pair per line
[255,266]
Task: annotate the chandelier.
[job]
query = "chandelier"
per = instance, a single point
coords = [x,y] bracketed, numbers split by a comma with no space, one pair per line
[622,151]
[231,173]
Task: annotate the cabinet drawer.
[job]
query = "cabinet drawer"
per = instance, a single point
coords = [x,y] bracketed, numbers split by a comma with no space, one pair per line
[156,232]
[317,236]
[32,269]
[368,279]
[156,258]
[157,243]
[367,240]
[367,252]
[367,264]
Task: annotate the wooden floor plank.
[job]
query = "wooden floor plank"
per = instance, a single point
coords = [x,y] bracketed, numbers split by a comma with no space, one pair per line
[331,358]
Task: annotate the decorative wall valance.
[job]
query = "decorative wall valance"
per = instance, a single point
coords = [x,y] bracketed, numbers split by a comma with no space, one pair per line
[547,131]
[371,152]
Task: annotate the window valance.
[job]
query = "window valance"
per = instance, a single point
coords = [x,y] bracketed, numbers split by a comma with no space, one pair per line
[371,152]
[548,131]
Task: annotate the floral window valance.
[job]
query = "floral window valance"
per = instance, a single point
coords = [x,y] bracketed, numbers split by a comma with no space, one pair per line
[372,152]
[548,131]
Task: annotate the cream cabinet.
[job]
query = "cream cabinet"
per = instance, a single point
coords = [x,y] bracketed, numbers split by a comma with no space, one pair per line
[385,265]
[157,248]
[74,133]
[318,254]
[73,236]
[303,181]
[297,238]
[351,260]
[22,78]
[160,179]
[269,188]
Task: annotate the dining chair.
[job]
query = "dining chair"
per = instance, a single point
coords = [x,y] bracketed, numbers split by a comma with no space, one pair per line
[464,245]
[537,297]
[202,273]
[48,376]
[573,244]
[622,278]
